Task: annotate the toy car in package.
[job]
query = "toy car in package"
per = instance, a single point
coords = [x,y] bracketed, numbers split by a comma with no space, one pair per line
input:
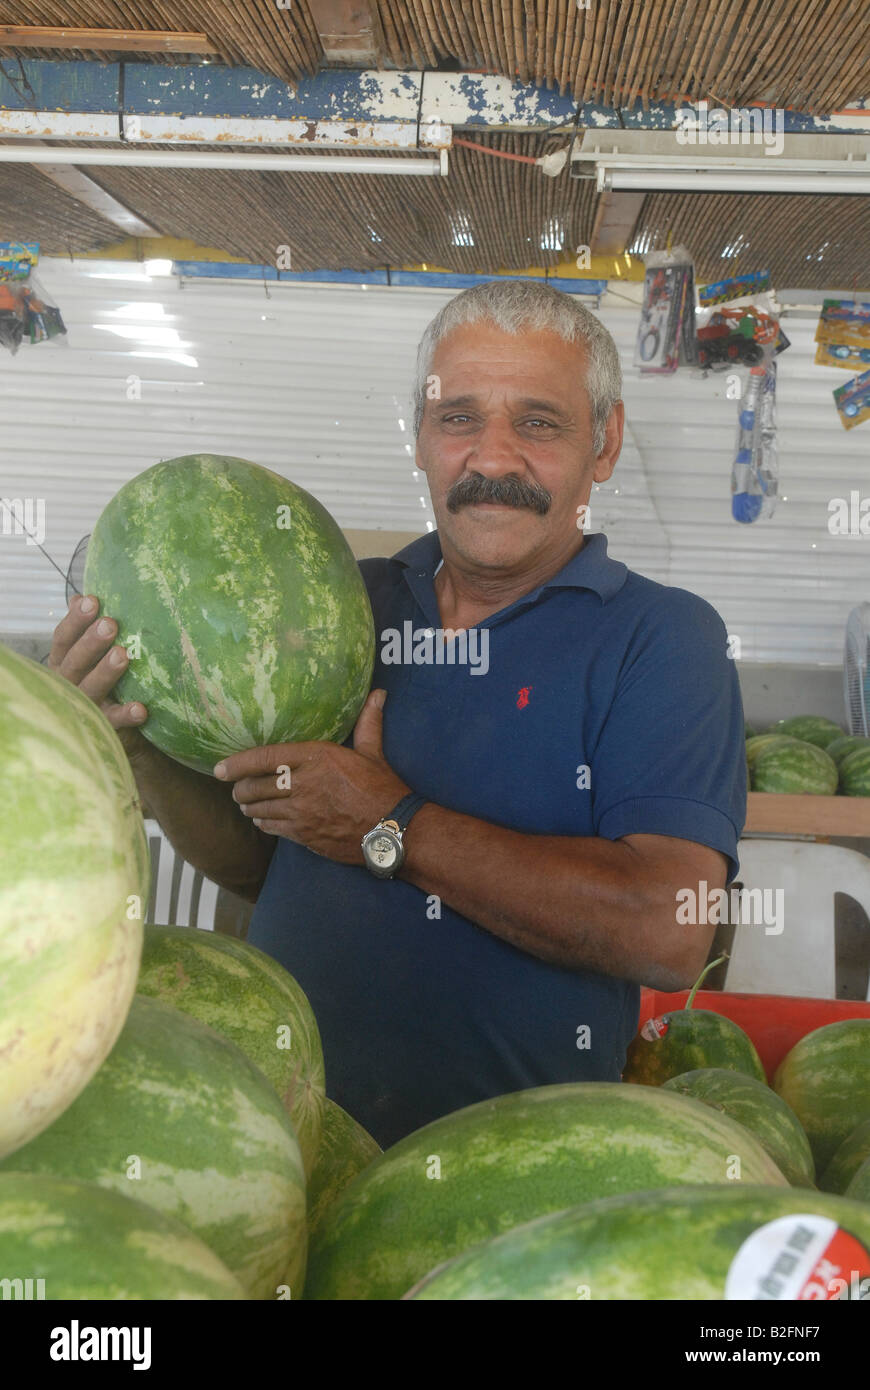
[744,331]
[666,333]
[852,400]
[843,335]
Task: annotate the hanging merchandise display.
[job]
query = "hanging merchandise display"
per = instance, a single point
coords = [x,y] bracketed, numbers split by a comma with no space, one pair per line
[755,472]
[26,312]
[666,333]
[852,400]
[843,335]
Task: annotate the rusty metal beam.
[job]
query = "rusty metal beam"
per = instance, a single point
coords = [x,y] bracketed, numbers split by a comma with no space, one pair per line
[103,40]
[349,32]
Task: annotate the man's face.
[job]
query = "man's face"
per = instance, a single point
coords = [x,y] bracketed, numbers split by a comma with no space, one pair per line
[513,415]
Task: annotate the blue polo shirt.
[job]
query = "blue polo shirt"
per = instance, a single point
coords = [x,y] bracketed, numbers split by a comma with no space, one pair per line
[608,707]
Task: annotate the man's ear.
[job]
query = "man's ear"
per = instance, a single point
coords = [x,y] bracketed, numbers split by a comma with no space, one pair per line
[606,460]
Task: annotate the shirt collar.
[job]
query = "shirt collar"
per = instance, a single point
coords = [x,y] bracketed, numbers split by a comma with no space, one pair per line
[591,568]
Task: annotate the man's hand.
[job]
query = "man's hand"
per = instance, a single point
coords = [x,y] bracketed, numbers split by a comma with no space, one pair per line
[83,651]
[334,795]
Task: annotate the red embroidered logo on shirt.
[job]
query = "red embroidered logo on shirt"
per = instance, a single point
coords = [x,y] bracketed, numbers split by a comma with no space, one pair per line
[523,697]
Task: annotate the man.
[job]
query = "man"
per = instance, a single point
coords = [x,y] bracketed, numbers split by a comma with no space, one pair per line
[551,796]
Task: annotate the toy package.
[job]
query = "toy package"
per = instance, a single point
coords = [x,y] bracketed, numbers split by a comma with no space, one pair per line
[666,333]
[755,472]
[739,287]
[852,400]
[26,312]
[843,334]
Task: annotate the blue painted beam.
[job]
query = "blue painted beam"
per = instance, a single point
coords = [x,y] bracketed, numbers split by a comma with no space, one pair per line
[432,279]
[206,90]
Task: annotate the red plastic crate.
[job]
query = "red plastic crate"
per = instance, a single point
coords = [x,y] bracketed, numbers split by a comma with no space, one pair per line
[774,1022]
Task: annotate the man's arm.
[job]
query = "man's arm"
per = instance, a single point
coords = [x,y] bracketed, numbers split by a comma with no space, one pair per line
[583,903]
[197,813]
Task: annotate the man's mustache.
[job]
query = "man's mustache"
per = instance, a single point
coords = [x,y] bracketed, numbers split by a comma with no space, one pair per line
[509,490]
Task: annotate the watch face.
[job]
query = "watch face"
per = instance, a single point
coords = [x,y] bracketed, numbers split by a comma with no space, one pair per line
[382,850]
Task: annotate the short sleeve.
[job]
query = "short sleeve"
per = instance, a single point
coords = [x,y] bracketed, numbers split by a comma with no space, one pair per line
[670,758]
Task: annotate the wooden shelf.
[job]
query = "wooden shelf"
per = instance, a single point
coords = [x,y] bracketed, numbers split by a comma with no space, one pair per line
[808,815]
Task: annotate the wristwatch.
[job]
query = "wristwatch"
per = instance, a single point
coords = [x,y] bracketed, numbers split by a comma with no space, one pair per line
[382,847]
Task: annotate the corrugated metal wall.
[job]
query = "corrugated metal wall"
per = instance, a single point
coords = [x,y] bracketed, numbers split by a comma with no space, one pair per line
[314,382]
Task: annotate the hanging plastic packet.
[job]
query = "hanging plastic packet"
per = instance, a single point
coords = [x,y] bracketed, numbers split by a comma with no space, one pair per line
[26,312]
[666,332]
[843,335]
[852,400]
[755,472]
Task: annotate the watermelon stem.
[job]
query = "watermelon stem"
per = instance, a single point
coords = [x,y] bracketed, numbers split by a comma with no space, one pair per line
[702,977]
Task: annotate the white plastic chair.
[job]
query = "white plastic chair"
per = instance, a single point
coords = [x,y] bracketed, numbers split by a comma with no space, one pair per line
[801,959]
[173,908]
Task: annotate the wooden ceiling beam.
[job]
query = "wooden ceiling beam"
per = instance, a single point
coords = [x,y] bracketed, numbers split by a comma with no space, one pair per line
[349,32]
[103,40]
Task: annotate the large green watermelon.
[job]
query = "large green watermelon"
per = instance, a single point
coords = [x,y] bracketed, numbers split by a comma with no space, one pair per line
[178,1117]
[85,1242]
[252,1000]
[859,1188]
[241,604]
[799,767]
[825,1078]
[679,1244]
[847,744]
[345,1149]
[847,1159]
[759,743]
[855,772]
[810,728]
[486,1168]
[765,1114]
[74,882]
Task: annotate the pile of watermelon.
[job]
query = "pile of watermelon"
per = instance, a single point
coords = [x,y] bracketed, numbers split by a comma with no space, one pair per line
[164,1125]
[808,754]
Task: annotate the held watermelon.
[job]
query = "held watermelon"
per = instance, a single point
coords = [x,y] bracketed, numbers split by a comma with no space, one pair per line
[490,1166]
[180,1118]
[74,880]
[825,1078]
[847,1159]
[855,772]
[687,1040]
[679,1244]
[761,1110]
[801,767]
[252,1000]
[240,602]
[810,728]
[345,1149]
[85,1242]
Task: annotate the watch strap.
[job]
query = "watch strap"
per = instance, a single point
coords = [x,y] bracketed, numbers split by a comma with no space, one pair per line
[407,807]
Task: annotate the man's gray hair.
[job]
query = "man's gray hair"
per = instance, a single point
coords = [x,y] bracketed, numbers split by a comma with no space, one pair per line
[513,305]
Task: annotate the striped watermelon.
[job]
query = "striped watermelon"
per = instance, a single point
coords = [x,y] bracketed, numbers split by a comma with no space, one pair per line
[345,1149]
[759,744]
[241,604]
[252,1000]
[672,1245]
[810,728]
[484,1169]
[826,1081]
[801,767]
[178,1117]
[841,746]
[855,772]
[859,1188]
[847,1159]
[765,1114]
[74,879]
[86,1242]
